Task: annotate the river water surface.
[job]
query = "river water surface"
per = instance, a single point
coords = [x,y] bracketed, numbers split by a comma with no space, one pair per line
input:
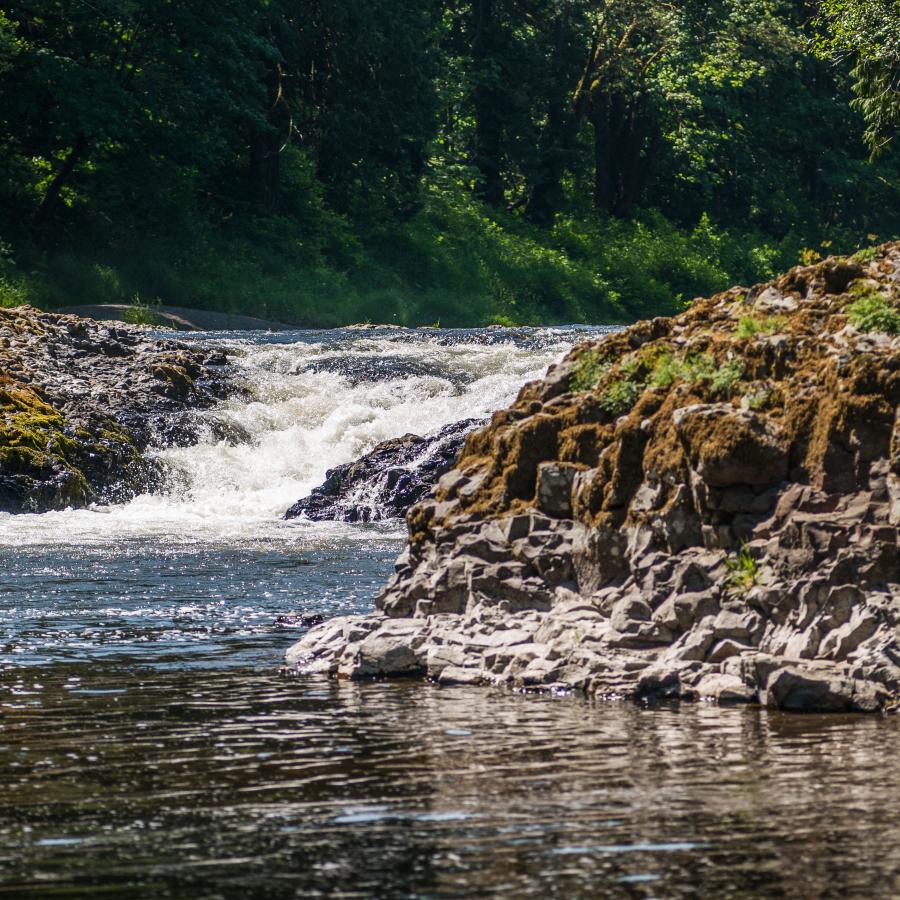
[149,747]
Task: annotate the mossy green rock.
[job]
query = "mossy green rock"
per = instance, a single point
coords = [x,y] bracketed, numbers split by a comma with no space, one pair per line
[79,403]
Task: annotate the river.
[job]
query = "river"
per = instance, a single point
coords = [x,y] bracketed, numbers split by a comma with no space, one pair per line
[149,747]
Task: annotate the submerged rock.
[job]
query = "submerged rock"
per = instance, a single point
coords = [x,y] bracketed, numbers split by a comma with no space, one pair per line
[705,506]
[388,480]
[81,400]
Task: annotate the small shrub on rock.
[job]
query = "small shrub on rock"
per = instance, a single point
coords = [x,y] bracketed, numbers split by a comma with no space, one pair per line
[620,396]
[666,370]
[141,312]
[700,367]
[872,312]
[866,255]
[743,570]
[726,376]
[589,369]
[755,400]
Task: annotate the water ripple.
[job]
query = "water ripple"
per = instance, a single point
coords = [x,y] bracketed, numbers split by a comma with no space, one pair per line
[238,783]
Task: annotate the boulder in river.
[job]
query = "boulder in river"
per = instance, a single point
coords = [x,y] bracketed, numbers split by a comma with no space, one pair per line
[81,400]
[387,481]
[697,507]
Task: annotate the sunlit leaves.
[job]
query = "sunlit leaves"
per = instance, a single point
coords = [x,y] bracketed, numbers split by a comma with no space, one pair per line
[869,32]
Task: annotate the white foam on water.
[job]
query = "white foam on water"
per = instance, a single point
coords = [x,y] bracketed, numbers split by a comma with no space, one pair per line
[311,405]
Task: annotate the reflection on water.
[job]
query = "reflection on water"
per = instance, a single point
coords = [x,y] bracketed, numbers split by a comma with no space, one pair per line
[182,603]
[241,784]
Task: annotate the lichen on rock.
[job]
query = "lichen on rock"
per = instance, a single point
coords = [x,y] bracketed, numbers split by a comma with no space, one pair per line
[704,506]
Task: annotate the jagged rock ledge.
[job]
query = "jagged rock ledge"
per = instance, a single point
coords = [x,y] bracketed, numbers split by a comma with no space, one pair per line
[386,481]
[697,507]
[81,400]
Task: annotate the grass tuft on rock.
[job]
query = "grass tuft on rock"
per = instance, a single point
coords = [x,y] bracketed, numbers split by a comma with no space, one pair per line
[743,570]
[142,312]
[750,326]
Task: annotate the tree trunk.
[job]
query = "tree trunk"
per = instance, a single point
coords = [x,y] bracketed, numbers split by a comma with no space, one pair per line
[546,193]
[265,171]
[603,162]
[265,150]
[620,167]
[60,178]
[630,164]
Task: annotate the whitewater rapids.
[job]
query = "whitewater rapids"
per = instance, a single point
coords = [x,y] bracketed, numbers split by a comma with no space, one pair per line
[313,400]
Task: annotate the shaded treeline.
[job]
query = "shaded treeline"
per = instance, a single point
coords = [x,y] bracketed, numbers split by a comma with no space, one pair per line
[412,160]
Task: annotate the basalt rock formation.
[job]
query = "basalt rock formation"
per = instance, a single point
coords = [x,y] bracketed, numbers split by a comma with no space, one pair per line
[81,400]
[388,480]
[703,506]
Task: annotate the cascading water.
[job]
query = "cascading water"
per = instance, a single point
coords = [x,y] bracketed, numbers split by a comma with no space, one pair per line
[313,400]
[200,571]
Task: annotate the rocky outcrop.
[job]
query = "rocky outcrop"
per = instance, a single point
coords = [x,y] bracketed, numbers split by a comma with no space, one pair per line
[705,506]
[80,401]
[388,480]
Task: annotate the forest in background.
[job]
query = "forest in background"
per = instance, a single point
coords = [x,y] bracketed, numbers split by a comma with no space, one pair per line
[460,162]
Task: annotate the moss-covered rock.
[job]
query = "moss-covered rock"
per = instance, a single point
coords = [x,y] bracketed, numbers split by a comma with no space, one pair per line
[810,396]
[79,403]
[701,506]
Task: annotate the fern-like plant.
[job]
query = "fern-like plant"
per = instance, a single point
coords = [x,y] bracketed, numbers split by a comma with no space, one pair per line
[872,312]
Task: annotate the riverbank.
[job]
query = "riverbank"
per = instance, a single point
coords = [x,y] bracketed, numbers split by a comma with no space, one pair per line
[697,507]
[179,318]
[457,263]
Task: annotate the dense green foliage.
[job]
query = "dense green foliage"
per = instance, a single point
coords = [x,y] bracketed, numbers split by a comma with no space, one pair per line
[872,312]
[868,32]
[460,161]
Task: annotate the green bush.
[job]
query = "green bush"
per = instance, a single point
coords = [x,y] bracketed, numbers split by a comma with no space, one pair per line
[453,260]
[12,293]
[620,396]
[722,378]
[142,312]
[865,255]
[14,290]
[72,278]
[590,367]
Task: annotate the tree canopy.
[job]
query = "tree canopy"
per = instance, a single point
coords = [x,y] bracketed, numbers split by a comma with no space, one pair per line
[469,160]
[868,32]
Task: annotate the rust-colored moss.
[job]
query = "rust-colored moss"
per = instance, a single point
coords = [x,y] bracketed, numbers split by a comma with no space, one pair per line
[829,401]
